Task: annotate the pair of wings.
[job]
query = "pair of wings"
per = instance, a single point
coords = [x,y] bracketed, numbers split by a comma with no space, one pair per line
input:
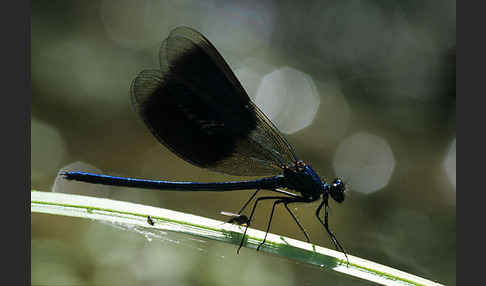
[197,108]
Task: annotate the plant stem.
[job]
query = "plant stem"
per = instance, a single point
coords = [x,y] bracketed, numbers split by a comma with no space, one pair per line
[164,219]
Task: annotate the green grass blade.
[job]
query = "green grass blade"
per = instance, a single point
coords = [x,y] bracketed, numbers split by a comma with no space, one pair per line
[164,219]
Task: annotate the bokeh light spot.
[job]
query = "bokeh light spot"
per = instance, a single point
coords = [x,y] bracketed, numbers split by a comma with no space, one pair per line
[365,161]
[289,98]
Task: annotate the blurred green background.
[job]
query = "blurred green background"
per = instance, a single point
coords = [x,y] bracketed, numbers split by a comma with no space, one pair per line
[374,82]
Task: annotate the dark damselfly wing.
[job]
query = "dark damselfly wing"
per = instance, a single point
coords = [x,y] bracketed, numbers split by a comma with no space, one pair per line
[197,108]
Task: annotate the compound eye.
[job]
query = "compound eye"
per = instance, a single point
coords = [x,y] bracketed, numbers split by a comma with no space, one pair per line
[337,182]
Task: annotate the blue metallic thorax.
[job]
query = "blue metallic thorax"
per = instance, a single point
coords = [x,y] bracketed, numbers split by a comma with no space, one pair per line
[306,181]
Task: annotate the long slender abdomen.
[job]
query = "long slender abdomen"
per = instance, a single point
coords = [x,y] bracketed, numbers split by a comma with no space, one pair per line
[264,183]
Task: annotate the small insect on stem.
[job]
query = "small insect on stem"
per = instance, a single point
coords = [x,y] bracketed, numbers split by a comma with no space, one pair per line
[236,218]
[150,221]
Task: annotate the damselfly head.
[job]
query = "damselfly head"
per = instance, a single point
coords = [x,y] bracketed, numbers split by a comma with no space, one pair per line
[337,189]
